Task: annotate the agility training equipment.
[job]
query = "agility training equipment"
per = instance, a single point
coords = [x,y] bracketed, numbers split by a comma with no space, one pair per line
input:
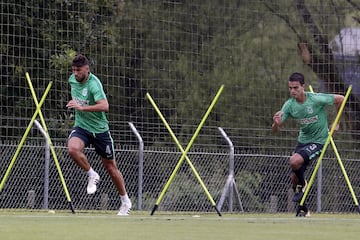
[36,113]
[184,152]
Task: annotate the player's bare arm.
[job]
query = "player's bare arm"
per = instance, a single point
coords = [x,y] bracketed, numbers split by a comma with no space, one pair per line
[338,99]
[100,106]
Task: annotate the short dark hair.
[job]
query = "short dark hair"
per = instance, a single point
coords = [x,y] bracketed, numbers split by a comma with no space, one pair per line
[80,61]
[297,77]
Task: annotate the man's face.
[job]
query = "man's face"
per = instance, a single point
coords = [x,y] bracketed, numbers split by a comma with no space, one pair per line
[296,90]
[81,73]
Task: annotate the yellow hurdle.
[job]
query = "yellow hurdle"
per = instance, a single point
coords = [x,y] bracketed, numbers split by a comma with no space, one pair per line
[8,170]
[184,152]
[42,120]
[38,112]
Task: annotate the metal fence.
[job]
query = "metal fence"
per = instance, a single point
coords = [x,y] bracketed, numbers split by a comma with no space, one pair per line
[180,52]
[237,181]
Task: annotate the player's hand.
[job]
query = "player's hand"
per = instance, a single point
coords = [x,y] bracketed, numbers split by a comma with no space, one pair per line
[336,127]
[277,118]
[72,104]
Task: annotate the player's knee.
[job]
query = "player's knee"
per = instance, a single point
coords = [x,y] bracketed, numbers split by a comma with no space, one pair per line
[295,162]
[73,151]
[75,146]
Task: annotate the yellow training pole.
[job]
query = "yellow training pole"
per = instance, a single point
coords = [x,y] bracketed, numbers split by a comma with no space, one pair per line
[345,176]
[24,136]
[325,145]
[341,165]
[49,141]
[184,152]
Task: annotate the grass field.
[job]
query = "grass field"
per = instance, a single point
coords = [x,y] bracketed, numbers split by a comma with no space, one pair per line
[175,226]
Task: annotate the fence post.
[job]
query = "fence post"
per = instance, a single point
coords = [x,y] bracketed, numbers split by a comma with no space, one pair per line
[319,188]
[141,164]
[230,185]
[46,167]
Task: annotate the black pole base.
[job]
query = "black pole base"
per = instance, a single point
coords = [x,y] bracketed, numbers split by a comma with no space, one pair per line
[217,210]
[154,209]
[72,207]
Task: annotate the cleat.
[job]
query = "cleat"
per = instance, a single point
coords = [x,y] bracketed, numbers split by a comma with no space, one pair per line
[125,209]
[302,211]
[92,182]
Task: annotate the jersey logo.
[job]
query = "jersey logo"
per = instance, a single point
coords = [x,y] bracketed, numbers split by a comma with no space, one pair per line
[84,92]
[309,109]
[309,120]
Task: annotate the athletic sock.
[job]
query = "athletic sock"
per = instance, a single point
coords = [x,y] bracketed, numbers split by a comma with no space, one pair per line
[125,198]
[91,172]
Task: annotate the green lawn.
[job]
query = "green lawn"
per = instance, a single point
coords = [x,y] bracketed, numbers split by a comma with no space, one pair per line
[175,226]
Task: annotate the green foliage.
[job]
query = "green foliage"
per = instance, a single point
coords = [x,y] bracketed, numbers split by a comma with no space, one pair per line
[249,186]
[185,193]
[179,52]
[62,61]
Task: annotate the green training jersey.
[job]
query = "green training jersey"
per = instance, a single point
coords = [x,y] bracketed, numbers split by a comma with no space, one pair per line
[311,116]
[87,94]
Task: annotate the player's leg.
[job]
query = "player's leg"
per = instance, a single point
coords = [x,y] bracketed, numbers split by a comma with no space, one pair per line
[294,180]
[105,148]
[303,155]
[75,150]
[115,175]
[118,180]
[299,184]
[77,141]
[297,165]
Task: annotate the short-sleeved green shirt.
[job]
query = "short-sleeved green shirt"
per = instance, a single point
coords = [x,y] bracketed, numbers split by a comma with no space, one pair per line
[87,94]
[311,115]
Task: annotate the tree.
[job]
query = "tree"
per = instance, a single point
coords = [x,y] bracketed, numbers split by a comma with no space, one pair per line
[314,45]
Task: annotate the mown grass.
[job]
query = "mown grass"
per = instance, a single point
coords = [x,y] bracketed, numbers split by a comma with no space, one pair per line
[63,225]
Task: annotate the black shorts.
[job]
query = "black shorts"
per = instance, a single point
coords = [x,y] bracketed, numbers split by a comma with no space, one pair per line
[102,142]
[309,151]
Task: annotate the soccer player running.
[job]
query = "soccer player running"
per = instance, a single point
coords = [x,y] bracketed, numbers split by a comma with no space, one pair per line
[309,109]
[91,127]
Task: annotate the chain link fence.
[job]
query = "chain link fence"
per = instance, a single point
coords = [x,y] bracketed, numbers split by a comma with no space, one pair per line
[260,182]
